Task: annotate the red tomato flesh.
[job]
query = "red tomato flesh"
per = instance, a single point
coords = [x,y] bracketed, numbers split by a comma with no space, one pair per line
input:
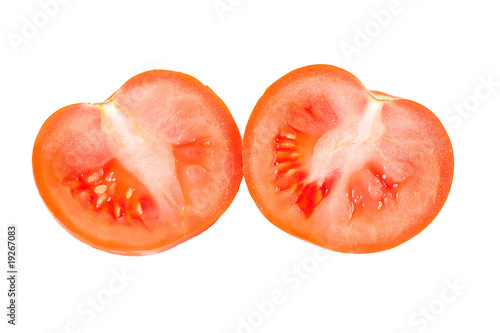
[345,168]
[154,165]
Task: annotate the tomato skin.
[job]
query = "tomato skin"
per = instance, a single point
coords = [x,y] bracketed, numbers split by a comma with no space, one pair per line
[79,139]
[332,97]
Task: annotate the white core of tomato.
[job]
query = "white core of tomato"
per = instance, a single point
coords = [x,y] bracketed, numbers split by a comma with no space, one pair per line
[345,147]
[152,162]
[380,96]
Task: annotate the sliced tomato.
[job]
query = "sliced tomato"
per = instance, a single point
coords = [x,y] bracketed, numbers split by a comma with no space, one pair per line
[345,168]
[154,165]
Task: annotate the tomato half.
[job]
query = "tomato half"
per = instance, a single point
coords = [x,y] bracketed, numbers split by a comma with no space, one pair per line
[154,165]
[348,169]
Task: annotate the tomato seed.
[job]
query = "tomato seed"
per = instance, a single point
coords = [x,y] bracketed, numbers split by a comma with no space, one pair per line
[111,189]
[287,145]
[100,189]
[93,177]
[118,211]
[100,200]
[85,197]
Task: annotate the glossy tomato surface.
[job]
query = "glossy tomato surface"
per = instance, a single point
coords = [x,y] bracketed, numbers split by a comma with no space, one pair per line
[154,165]
[348,169]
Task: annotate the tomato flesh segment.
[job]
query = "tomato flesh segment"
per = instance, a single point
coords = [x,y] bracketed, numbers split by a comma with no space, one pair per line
[292,153]
[113,191]
[370,191]
[193,162]
[310,196]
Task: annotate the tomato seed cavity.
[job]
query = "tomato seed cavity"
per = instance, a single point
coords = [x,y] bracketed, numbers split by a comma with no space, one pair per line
[292,151]
[111,190]
[370,190]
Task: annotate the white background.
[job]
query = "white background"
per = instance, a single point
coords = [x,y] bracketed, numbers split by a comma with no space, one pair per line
[436,53]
